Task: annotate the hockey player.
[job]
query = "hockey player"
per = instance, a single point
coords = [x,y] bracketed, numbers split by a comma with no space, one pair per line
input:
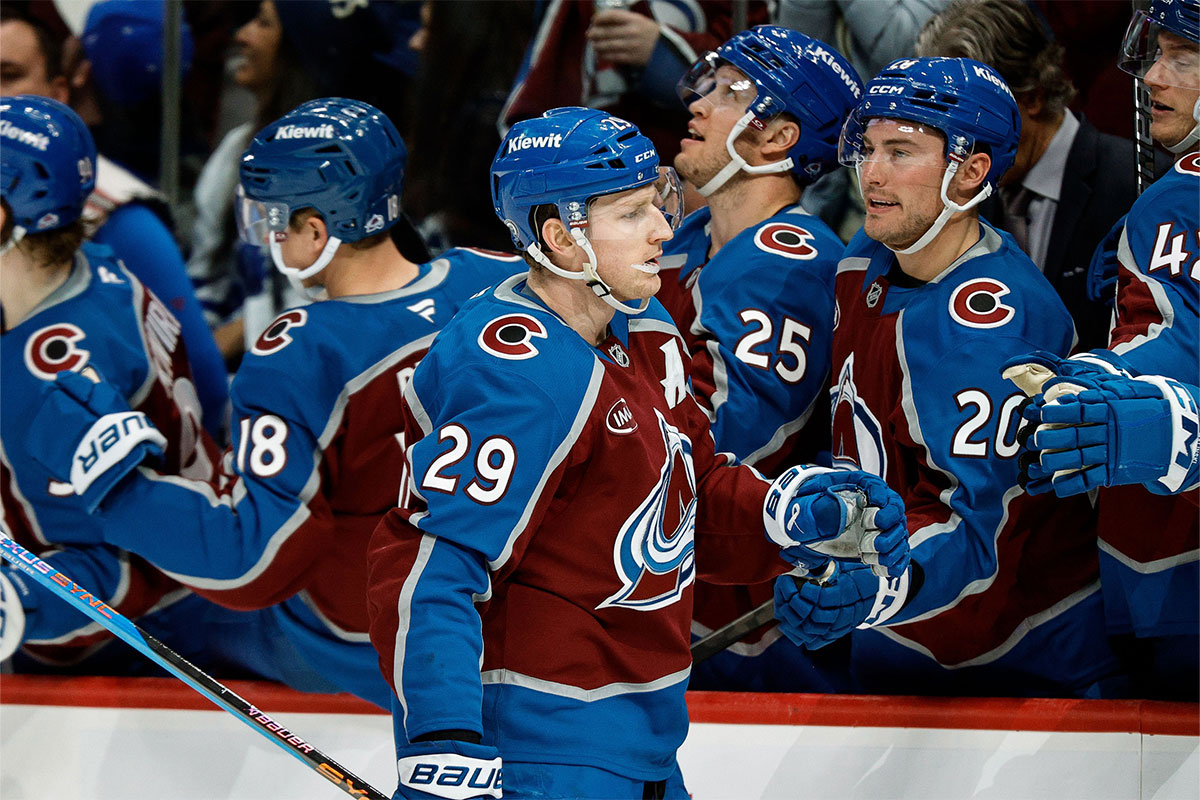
[931,301]
[748,281]
[1150,546]
[317,454]
[534,588]
[72,306]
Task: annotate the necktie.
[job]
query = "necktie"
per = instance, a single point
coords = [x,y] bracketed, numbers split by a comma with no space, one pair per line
[1016,214]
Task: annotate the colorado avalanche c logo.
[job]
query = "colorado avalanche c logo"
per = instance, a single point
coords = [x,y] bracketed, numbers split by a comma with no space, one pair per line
[52,350]
[511,336]
[655,564]
[857,434]
[976,304]
[787,240]
[276,336]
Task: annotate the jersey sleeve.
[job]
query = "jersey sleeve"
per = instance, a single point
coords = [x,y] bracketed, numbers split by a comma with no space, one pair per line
[491,448]
[959,420]
[249,539]
[1158,282]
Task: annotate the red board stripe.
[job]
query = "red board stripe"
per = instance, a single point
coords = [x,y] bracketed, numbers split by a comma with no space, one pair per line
[955,713]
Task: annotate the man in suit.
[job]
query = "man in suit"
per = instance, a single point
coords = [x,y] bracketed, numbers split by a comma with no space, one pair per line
[1070,183]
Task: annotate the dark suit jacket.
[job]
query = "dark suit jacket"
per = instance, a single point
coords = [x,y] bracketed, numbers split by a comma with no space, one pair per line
[1098,188]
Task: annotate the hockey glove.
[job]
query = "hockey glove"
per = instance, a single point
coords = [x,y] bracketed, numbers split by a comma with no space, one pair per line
[12,612]
[1031,370]
[448,769]
[1102,271]
[86,436]
[817,514]
[1107,430]
[812,614]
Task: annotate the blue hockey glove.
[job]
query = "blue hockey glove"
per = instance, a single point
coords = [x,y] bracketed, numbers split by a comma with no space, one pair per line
[12,612]
[814,613]
[85,434]
[1031,371]
[817,514]
[448,769]
[1107,430]
[1102,271]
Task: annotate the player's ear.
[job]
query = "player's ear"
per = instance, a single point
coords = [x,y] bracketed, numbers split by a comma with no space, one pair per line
[557,238]
[970,176]
[780,137]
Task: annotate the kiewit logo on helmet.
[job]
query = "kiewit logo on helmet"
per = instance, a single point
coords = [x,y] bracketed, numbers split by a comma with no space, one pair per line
[826,57]
[305,132]
[993,79]
[38,141]
[526,142]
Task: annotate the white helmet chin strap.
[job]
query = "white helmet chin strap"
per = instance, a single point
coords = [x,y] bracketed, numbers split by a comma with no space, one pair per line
[737,163]
[321,263]
[18,233]
[1188,142]
[949,208]
[602,289]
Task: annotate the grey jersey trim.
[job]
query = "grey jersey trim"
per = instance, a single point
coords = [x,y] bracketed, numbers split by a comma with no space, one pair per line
[404,612]
[438,270]
[1149,567]
[356,637]
[1161,304]
[509,678]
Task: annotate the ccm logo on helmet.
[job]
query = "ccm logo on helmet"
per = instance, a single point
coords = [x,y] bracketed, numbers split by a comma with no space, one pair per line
[976,304]
[510,337]
[526,142]
[883,89]
[52,350]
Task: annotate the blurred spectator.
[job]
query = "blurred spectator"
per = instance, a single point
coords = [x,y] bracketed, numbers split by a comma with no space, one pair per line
[623,56]
[872,33]
[124,211]
[1070,182]
[470,53]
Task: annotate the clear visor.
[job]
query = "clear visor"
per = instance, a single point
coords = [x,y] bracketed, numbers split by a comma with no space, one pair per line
[631,213]
[259,221]
[1152,52]
[908,152]
[717,82]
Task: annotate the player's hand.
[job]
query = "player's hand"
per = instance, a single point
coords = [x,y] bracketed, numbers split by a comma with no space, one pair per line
[448,769]
[813,614]
[1106,430]
[1031,371]
[623,37]
[816,514]
[12,613]
[1102,271]
[86,436]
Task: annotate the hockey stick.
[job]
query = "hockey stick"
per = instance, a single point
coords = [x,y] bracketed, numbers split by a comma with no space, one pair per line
[1143,143]
[708,646]
[183,669]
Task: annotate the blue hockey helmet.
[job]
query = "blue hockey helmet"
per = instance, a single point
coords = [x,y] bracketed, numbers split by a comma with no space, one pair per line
[792,73]
[964,100]
[566,158]
[47,164]
[123,39]
[342,158]
[1177,66]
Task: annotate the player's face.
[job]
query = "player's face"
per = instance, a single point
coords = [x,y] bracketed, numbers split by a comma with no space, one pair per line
[23,65]
[901,173]
[258,48]
[1174,83]
[628,228]
[702,152]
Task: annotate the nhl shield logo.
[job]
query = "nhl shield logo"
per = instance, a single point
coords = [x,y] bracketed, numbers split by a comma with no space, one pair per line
[619,355]
[873,294]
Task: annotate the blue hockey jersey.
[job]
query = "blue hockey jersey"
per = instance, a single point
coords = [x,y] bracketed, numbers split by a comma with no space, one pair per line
[1150,544]
[1010,602]
[317,458]
[101,319]
[535,586]
[758,321]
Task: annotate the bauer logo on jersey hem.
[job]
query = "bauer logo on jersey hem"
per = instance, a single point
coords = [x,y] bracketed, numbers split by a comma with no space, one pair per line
[976,304]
